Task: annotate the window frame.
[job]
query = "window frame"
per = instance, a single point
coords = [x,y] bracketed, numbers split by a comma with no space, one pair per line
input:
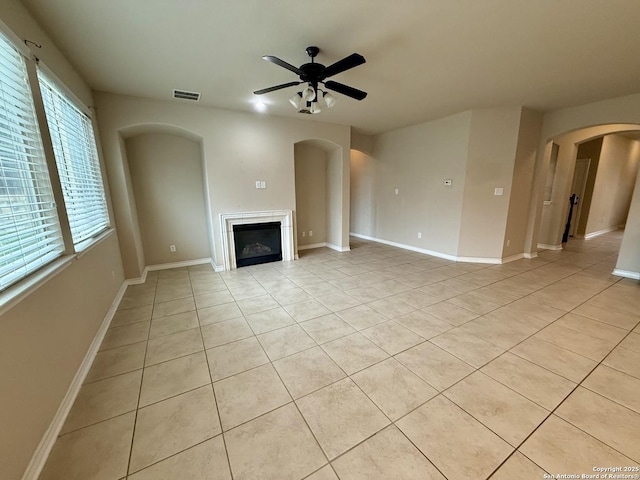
[50,80]
[33,176]
[27,284]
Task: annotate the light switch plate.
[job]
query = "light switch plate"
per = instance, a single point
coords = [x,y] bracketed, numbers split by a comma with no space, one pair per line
[263,184]
[257,183]
[498,191]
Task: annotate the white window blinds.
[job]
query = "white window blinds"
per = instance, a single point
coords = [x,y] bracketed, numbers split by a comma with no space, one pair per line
[30,233]
[74,147]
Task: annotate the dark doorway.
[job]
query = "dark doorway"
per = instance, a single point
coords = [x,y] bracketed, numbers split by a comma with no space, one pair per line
[257,243]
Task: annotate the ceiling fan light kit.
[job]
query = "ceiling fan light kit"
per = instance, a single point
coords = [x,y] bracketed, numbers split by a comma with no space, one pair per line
[315,74]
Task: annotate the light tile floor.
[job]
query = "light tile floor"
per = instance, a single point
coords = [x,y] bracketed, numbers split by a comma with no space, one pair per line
[372,364]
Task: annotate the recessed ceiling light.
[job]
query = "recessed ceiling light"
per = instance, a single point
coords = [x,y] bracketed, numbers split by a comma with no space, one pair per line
[260,107]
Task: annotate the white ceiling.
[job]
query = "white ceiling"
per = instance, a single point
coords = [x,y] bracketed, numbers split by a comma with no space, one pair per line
[425,58]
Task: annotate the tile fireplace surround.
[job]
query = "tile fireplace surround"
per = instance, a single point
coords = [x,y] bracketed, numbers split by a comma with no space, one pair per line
[228,220]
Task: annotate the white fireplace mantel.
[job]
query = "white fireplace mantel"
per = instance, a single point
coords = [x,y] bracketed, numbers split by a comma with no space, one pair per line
[228,220]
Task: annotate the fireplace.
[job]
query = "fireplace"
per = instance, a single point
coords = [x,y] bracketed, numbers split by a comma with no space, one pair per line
[229,221]
[256,243]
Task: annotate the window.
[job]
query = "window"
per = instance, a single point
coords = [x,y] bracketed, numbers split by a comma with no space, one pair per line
[76,156]
[30,233]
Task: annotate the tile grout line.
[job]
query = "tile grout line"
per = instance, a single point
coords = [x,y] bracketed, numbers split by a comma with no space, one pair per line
[412,288]
[135,419]
[213,391]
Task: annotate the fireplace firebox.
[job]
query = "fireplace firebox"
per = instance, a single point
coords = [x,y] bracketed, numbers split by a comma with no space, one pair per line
[257,243]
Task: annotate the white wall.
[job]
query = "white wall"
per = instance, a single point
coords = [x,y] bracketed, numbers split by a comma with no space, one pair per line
[613,115]
[416,160]
[168,186]
[335,200]
[44,337]
[362,198]
[478,150]
[588,150]
[629,256]
[522,183]
[311,194]
[614,182]
[546,222]
[491,156]
[238,149]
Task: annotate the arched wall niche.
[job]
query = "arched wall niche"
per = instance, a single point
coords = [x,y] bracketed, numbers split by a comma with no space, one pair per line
[319,185]
[362,200]
[166,197]
[239,148]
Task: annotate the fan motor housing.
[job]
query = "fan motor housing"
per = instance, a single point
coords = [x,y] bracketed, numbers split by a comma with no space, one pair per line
[312,72]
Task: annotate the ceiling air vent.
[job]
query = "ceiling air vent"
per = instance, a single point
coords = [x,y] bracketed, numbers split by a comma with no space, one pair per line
[184,95]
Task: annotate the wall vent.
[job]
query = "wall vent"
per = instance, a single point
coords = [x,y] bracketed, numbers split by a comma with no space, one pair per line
[184,95]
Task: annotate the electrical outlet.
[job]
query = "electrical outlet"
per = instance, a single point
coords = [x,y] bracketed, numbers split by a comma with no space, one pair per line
[498,191]
[396,191]
[304,234]
[263,184]
[448,182]
[172,248]
[311,233]
[257,183]
[419,234]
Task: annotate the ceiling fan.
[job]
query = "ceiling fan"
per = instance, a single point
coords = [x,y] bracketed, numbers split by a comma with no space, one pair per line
[315,74]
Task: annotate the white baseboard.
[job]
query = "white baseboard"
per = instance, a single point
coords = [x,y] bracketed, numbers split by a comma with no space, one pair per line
[337,248]
[166,266]
[531,255]
[446,256]
[626,274]
[546,246]
[186,263]
[312,245]
[324,244]
[489,260]
[139,280]
[513,258]
[49,438]
[405,247]
[600,232]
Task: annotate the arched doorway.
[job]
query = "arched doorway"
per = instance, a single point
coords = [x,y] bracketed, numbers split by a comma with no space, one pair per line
[563,159]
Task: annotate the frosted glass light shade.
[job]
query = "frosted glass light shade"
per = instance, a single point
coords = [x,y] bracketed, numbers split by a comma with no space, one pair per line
[315,107]
[296,100]
[329,99]
[309,94]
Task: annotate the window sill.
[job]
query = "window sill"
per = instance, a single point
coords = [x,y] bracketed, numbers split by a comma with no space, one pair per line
[85,247]
[16,293]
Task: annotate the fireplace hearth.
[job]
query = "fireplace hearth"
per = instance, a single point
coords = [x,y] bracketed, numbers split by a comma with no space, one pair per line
[257,243]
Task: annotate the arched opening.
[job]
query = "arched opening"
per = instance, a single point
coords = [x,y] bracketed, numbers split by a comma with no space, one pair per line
[168,196]
[589,183]
[318,184]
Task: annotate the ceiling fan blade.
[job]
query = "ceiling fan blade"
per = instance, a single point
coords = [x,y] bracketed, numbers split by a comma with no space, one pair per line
[283,64]
[277,87]
[346,63]
[345,90]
